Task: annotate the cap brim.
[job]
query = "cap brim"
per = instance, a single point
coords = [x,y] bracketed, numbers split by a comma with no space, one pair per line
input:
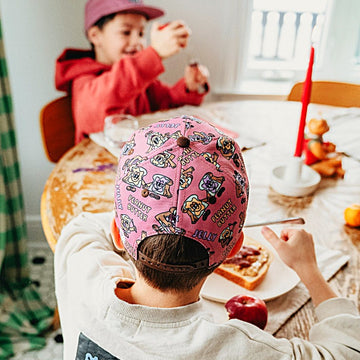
[149,11]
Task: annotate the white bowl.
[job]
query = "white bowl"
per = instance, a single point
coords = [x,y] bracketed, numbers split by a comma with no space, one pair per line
[306,184]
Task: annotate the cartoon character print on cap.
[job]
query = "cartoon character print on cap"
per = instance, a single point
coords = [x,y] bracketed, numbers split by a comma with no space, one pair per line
[192,119]
[167,221]
[212,185]
[127,224]
[159,186]
[212,159]
[227,148]
[195,208]
[134,174]
[156,139]
[163,160]
[186,177]
[201,137]
[128,147]
[227,235]
[240,183]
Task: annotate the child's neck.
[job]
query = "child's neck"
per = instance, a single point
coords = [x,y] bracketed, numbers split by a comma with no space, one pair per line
[142,293]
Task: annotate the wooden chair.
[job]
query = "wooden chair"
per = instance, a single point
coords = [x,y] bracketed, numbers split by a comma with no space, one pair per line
[57,128]
[329,93]
[58,136]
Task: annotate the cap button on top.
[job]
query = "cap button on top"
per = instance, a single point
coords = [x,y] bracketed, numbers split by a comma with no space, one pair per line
[183,141]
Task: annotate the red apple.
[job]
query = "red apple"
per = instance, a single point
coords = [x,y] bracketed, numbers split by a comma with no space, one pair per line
[248,308]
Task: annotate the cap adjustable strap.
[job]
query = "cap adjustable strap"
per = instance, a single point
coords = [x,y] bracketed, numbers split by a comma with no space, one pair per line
[202,264]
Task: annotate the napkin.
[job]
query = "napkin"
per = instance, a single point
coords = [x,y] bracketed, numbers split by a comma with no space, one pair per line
[282,308]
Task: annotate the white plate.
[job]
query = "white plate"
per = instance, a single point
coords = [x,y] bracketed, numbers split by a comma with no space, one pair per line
[278,281]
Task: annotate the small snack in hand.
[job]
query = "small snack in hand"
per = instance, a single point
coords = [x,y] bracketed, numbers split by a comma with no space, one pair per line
[249,266]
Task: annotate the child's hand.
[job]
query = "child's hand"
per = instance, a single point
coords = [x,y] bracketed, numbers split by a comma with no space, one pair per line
[169,39]
[295,248]
[196,77]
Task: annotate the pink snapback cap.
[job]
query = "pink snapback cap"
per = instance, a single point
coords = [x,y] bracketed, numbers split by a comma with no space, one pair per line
[96,9]
[181,176]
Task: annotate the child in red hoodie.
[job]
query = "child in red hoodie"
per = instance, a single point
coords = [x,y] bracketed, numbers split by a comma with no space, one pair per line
[119,74]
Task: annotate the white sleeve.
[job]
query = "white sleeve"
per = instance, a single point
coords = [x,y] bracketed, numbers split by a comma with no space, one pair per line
[335,336]
[85,258]
[338,329]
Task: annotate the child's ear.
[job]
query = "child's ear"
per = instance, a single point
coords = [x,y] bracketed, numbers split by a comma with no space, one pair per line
[237,246]
[92,34]
[116,236]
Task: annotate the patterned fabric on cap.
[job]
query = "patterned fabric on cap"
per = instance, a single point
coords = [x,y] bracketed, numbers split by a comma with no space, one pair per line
[182,176]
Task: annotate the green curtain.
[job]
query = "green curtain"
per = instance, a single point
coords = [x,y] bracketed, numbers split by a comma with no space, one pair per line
[23,316]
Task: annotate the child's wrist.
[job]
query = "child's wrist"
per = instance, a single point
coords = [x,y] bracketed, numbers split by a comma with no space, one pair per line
[309,274]
[157,52]
[201,89]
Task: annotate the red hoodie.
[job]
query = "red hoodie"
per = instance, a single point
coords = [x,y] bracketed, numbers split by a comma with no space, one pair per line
[129,86]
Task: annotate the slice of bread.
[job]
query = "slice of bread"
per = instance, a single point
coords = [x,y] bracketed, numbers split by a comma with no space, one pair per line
[249,266]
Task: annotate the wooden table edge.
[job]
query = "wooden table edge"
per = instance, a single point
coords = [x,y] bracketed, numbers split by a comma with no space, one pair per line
[45,221]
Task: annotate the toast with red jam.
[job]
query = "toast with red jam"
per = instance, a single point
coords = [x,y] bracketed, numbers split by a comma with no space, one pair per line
[249,266]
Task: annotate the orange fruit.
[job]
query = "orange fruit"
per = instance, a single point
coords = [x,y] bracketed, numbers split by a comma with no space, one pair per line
[352,215]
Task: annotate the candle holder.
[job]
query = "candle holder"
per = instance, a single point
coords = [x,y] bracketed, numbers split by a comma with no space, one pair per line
[295,178]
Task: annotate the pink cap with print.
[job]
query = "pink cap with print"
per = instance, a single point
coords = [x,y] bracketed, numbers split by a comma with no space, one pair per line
[96,9]
[182,176]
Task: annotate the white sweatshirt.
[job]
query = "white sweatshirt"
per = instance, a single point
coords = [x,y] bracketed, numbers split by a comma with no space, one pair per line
[96,324]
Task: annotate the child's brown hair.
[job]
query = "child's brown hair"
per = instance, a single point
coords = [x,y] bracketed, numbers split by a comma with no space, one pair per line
[175,250]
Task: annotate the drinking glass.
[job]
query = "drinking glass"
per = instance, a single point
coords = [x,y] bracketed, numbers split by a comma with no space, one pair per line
[118,128]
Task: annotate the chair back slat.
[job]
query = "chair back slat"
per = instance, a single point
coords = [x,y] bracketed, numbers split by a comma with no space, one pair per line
[57,128]
[329,93]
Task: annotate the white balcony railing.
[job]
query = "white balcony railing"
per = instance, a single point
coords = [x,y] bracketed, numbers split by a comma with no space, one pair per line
[283,37]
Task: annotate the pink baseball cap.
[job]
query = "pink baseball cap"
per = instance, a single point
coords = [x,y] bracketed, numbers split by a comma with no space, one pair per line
[181,176]
[96,9]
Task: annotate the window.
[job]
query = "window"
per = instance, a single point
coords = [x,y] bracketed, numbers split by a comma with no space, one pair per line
[275,44]
[281,35]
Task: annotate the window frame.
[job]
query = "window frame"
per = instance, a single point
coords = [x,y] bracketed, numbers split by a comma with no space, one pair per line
[334,58]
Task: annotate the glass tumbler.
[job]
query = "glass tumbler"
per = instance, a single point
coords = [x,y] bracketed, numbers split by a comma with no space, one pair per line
[118,128]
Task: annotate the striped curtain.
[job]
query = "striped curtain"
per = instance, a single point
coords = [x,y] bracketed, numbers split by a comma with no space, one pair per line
[23,316]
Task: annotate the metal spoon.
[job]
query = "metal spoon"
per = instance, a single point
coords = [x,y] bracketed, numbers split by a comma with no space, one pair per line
[293,220]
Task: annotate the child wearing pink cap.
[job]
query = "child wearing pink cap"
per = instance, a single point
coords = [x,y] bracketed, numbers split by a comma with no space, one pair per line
[128,282]
[120,74]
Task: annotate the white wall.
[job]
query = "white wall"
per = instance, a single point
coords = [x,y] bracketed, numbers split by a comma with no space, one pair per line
[36,31]
[33,38]
[342,36]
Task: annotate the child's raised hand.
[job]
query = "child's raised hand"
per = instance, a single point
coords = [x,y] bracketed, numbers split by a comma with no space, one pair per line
[295,248]
[169,39]
[196,77]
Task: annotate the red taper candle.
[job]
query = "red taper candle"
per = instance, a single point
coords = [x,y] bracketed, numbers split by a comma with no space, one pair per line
[305,99]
